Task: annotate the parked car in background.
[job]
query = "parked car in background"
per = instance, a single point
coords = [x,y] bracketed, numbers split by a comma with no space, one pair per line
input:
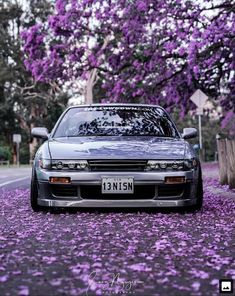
[116,155]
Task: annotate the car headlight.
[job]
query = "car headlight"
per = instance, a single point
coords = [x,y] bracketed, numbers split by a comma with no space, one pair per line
[190,163]
[171,165]
[165,165]
[44,163]
[69,165]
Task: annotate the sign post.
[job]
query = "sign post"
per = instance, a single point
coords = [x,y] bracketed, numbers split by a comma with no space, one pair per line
[17,140]
[199,99]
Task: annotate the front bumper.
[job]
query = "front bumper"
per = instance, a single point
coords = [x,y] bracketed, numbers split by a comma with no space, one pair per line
[116,203]
[78,179]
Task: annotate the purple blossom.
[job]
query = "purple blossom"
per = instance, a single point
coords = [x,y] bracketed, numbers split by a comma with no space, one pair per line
[165,52]
[45,253]
[23,291]
[3,278]
[141,6]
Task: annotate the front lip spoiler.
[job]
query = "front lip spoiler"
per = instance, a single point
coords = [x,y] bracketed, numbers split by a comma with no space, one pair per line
[94,203]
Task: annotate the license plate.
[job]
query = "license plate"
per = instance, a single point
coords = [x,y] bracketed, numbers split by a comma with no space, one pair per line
[117,185]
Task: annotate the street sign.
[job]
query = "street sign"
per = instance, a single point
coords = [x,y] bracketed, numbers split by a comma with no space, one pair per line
[17,138]
[199,98]
[199,111]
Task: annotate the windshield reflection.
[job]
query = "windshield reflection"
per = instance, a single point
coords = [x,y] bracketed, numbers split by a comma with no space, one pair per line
[116,121]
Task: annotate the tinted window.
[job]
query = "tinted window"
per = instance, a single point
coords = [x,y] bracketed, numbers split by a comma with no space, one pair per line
[114,121]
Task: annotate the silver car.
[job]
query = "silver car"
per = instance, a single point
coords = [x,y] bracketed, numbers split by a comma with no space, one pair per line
[116,155]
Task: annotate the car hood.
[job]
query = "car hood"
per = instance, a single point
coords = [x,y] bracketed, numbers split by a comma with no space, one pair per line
[121,147]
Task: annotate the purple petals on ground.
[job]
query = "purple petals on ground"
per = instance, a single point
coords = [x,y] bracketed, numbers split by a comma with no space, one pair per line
[23,291]
[102,252]
[3,278]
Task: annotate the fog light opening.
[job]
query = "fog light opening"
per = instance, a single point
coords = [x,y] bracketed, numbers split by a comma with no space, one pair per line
[60,180]
[175,180]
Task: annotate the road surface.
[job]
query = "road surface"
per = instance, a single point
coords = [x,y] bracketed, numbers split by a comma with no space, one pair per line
[115,252]
[15,178]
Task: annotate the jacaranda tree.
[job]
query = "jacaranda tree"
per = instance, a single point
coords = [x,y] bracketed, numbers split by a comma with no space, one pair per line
[140,50]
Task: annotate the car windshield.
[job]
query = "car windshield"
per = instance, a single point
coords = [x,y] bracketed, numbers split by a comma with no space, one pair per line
[116,121]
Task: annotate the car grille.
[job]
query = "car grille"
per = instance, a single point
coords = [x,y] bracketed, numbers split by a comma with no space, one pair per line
[174,190]
[117,165]
[64,190]
[140,192]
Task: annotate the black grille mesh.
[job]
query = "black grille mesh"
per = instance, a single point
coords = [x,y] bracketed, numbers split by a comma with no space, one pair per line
[117,165]
[63,190]
[140,192]
[173,190]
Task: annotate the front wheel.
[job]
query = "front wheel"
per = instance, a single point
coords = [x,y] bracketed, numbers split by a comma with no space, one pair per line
[34,193]
[199,195]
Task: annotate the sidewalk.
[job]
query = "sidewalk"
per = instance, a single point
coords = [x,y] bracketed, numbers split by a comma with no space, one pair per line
[210,172]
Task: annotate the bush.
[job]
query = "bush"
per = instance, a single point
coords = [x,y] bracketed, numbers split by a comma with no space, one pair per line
[24,154]
[5,153]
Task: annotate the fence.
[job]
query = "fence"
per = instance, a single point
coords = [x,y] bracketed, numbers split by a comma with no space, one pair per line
[226,155]
[5,162]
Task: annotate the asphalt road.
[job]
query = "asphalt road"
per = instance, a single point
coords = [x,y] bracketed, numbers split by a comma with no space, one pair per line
[114,252]
[15,178]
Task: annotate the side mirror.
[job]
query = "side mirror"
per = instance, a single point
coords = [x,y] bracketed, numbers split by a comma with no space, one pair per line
[40,132]
[196,147]
[189,133]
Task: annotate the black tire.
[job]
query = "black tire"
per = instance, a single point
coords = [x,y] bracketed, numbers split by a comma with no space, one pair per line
[199,203]
[34,193]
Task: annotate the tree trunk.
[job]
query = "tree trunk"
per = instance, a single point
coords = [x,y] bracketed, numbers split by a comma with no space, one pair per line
[230,148]
[34,142]
[92,77]
[32,147]
[89,87]
[222,156]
